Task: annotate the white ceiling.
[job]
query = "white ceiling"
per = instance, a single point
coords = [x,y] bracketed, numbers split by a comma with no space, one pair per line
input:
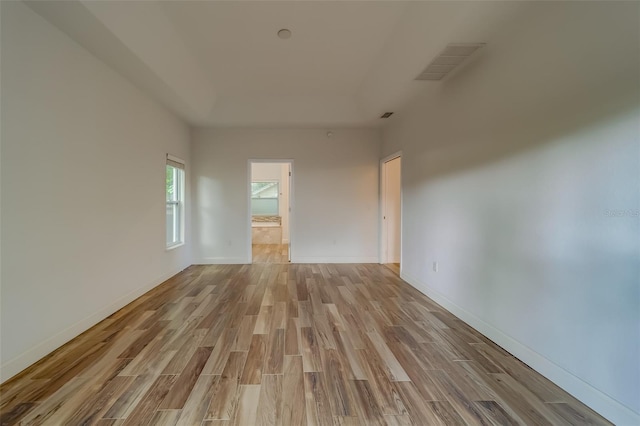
[221,63]
[333,45]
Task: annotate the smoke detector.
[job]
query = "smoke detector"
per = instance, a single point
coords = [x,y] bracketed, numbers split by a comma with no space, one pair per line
[449,59]
[284,33]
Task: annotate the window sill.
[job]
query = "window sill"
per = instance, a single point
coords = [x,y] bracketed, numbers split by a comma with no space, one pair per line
[174,246]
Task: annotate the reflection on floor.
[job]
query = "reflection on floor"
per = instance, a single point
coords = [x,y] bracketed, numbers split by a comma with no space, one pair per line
[270,253]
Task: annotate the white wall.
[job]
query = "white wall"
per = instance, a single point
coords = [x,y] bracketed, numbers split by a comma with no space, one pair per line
[511,170]
[83,170]
[278,172]
[334,195]
[266,171]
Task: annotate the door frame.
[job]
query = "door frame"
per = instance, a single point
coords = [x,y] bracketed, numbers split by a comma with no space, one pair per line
[383,202]
[250,161]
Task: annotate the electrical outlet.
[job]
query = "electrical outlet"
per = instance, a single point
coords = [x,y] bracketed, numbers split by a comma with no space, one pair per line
[435,266]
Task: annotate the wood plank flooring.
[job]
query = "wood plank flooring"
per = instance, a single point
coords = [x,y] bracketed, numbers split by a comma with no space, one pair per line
[395,267]
[270,253]
[285,345]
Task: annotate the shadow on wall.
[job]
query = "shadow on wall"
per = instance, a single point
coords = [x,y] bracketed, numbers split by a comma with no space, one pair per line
[525,187]
[531,75]
[541,242]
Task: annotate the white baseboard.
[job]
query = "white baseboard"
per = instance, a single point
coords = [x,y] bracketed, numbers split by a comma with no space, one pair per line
[30,356]
[311,259]
[222,261]
[603,404]
[336,259]
[294,259]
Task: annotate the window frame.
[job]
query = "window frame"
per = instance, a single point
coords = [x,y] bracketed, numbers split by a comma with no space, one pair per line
[178,205]
[277,197]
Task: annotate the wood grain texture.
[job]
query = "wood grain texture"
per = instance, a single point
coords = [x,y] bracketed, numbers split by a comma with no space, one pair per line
[268,251]
[284,344]
[225,398]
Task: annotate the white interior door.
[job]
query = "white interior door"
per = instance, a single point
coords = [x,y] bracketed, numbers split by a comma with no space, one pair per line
[289,186]
[392,210]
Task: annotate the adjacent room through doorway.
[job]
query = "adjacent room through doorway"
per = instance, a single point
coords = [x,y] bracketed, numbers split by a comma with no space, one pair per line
[270,211]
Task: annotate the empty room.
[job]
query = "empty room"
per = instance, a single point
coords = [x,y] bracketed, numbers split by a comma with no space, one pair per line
[319,213]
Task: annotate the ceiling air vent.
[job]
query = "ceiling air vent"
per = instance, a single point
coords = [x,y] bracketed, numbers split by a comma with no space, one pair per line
[386,115]
[449,59]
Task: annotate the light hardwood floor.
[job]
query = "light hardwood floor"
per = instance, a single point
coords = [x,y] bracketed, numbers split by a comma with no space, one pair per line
[270,253]
[284,345]
[395,267]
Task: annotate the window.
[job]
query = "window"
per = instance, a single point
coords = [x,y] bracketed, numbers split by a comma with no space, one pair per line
[264,198]
[175,202]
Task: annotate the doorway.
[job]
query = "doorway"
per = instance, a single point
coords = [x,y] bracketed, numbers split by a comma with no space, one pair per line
[270,205]
[391,206]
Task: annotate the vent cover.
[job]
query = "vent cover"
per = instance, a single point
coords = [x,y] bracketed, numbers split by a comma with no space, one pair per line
[386,115]
[449,59]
